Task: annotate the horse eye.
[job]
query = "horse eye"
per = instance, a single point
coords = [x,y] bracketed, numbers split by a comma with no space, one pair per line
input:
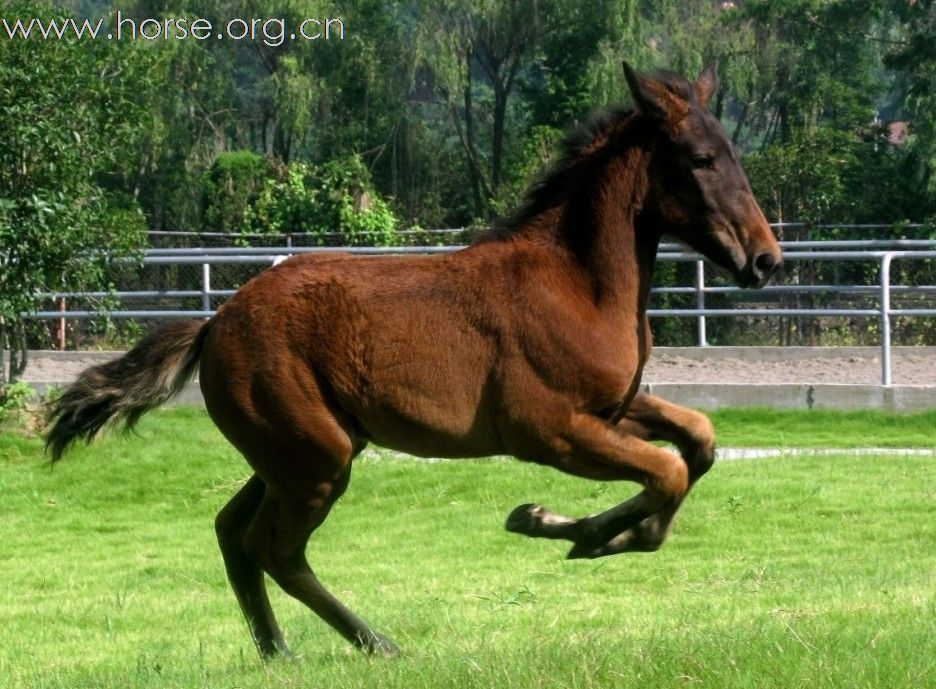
[702,161]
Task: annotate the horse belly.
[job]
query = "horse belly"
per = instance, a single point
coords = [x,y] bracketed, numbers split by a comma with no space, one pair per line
[432,397]
[425,438]
[444,421]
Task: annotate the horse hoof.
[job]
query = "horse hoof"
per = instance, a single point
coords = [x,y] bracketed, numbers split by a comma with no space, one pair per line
[378,644]
[584,552]
[525,519]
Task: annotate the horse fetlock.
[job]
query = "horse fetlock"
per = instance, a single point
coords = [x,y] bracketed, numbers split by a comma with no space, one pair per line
[592,532]
[650,534]
[646,537]
[621,543]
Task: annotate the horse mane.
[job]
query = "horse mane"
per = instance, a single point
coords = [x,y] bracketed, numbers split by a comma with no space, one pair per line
[578,144]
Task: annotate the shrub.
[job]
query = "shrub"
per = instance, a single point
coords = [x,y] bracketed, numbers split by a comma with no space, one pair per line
[335,198]
[13,398]
[231,185]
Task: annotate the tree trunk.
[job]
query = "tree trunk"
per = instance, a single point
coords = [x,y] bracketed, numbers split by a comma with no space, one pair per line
[497,144]
[16,336]
[3,366]
[480,189]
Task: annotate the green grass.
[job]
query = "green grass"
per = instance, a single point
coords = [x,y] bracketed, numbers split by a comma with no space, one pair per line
[801,572]
[753,427]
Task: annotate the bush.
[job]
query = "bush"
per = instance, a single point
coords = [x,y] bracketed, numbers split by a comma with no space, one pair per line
[231,185]
[335,198]
[13,398]
[533,160]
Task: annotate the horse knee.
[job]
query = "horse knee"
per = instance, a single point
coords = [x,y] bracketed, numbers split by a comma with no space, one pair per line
[700,451]
[672,482]
[277,536]
[271,556]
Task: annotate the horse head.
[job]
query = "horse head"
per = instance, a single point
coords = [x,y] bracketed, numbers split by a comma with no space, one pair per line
[700,194]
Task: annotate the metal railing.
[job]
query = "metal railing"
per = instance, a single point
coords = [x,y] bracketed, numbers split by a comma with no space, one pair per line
[884,252]
[885,311]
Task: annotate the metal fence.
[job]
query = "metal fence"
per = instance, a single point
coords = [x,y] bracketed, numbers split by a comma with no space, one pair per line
[216,272]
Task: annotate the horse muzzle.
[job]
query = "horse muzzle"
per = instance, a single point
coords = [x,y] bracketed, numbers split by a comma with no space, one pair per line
[759,270]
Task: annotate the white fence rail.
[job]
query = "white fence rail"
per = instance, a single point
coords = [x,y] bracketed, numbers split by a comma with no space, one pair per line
[883,252]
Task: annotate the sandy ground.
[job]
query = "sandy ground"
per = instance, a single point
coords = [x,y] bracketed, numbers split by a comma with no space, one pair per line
[908,368]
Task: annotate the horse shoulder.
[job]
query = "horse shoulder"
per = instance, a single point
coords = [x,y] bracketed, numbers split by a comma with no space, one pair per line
[566,343]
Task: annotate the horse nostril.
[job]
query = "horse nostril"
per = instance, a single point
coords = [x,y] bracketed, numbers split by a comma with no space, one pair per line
[765,264]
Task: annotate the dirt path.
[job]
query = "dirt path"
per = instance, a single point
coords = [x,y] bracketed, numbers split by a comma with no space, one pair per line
[907,368]
[744,366]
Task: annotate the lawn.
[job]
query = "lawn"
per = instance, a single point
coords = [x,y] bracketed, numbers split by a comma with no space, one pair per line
[824,428]
[812,571]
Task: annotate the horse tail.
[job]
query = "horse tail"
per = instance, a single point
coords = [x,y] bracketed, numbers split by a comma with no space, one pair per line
[124,389]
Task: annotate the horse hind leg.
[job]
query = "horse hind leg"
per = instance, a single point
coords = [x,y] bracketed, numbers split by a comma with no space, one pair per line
[245,575]
[277,539]
[301,447]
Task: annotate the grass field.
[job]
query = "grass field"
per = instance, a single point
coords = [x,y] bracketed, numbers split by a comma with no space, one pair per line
[796,572]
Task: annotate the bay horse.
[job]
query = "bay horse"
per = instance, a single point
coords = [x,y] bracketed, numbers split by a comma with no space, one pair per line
[530,342]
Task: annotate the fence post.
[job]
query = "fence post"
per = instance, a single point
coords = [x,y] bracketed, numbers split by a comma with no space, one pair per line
[60,331]
[206,287]
[885,319]
[700,302]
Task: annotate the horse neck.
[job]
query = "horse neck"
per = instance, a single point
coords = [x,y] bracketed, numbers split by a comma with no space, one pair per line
[602,227]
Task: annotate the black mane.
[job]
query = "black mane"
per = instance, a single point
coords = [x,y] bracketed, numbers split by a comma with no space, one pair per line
[578,143]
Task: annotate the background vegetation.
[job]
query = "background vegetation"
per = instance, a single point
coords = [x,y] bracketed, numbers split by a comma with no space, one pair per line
[430,113]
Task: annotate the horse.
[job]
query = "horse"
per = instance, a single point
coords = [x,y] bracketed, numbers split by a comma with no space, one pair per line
[530,342]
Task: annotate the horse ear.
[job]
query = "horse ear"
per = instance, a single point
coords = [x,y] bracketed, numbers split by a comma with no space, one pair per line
[652,97]
[707,83]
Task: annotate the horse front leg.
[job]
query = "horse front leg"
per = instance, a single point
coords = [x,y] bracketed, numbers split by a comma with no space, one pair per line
[653,418]
[648,418]
[590,447]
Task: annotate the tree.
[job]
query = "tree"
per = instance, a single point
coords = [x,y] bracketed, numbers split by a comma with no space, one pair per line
[913,57]
[69,116]
[809,64]
[476,52]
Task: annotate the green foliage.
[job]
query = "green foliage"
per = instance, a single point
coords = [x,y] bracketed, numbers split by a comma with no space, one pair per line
[231,185]
[805,65]
[442,100]
[337,197]
[804,179]
[13,398]
[434,114]
[69,117]
[532,161]
[913,59]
